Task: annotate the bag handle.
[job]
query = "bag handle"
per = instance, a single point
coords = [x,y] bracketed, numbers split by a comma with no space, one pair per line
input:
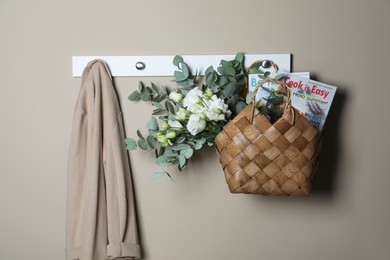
[265,64]
[282,86]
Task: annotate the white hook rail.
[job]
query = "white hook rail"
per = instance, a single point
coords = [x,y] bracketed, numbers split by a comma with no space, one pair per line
[125,66]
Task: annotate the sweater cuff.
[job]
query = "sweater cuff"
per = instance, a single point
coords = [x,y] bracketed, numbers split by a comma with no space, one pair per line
[123,250]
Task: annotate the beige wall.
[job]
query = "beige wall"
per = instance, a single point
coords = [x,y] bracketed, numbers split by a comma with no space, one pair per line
[345,43]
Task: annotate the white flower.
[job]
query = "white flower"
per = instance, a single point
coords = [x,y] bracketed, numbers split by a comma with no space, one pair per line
[182,114]
[195,124]
[212,115]
[174,123]
[192,97]
[196,108]
[217,109]
[177,97]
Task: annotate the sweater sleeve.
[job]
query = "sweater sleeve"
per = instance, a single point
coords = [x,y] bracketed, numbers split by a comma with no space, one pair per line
[121,217]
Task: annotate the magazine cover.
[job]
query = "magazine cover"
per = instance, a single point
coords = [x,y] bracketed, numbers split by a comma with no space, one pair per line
[312,98]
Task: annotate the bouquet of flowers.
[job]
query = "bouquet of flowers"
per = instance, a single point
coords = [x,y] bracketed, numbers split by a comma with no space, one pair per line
[191,115]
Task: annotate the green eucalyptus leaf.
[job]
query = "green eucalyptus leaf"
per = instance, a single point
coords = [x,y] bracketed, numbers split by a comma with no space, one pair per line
[233,101]
[180,139]
[135,96]
[202,140]
[187,153]
[177,59]
[140,87]
[187,83]
[179,76]
[180,147]
[162,161]
[264,110]
[275,113]
[280,76]
[249,97]
[130,144]
[227,70]
[153,133]
[182,162]
[140,135]
[160,97]
[152,124]
[158,175]
[211,78]
[142,144]
[240,106]
[155,88]
[229,89]
[255,71]
[223,81]
[210,69]
[266,89]
[145,95]
[151,141]
[239,57]
[277,100]
[158,111]
[169,107]
[266,74]
[170,153]
[157,104]
[198,146]
[185,69]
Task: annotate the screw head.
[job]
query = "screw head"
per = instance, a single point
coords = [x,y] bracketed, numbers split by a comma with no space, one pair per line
[140,65]
[266,64]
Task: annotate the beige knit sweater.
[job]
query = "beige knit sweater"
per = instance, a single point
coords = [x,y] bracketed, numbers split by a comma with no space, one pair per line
[101,219]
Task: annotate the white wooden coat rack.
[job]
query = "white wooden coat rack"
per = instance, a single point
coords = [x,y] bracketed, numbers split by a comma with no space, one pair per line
[128,66]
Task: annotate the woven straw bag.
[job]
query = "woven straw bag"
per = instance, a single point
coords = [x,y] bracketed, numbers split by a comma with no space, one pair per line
[259,157]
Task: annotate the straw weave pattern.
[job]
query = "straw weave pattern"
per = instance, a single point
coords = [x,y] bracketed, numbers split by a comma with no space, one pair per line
[270,159]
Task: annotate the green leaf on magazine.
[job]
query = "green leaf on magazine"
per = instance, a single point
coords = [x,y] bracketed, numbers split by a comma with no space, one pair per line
[277,100]
[280,76]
